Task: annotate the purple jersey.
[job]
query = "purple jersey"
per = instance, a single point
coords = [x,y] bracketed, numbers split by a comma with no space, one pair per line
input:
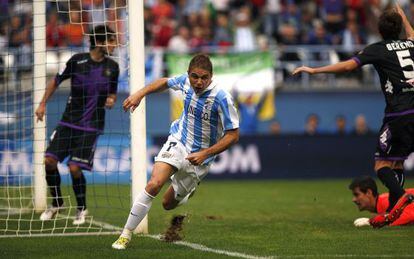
[91,83]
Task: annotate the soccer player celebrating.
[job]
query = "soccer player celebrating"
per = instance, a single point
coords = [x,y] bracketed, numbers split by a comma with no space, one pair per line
[393,60]
[208,125]
[366,197]
[94,81]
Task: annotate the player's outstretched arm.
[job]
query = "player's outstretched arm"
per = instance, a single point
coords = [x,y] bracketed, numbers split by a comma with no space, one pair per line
[50,89]
[133,101]
[341,67]
[409,31]
[230,137]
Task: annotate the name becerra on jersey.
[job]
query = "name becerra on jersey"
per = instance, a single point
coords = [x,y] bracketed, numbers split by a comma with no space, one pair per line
[400,45]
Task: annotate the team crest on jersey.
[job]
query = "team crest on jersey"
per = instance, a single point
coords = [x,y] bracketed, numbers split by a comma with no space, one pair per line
[107,72]
[389,87]
[208,105]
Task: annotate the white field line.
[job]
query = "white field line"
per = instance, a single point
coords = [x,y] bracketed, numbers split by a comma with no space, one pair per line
[204,248]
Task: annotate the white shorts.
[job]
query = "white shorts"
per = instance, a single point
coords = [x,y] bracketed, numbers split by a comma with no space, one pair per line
[187,176]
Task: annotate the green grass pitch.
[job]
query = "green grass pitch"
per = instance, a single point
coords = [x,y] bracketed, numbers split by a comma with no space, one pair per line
[279,219]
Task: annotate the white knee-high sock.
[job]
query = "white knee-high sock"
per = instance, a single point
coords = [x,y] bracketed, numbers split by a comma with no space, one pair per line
[142,205]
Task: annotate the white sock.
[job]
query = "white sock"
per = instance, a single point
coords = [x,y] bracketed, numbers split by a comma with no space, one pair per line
[142,205]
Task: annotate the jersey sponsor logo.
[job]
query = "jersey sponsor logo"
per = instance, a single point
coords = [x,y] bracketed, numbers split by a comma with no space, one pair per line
[406,90]
[384,139]
[78,159]
[82,61]
[192,110]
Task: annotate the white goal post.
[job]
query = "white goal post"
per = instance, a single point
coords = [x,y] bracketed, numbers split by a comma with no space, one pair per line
[39,84]
[137,81]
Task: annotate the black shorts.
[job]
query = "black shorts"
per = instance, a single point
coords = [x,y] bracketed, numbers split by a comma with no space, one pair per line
[396,138]
[78,145]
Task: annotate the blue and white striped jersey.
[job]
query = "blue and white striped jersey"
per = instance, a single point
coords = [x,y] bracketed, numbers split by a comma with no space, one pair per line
[205,116]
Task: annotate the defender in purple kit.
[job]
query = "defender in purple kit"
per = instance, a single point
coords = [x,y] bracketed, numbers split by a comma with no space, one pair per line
[393,59]
[94,81]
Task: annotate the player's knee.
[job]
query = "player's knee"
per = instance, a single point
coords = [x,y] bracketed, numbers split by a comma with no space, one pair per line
[382,164]
[75,171]
[168,204]
[50,164]
[153,187]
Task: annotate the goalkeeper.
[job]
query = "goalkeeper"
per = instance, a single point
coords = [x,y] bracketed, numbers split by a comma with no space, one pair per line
[94,82]
[208,125]
[366,197]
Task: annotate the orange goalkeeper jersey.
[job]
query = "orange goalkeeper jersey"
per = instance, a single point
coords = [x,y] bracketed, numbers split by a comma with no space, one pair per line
[407,217]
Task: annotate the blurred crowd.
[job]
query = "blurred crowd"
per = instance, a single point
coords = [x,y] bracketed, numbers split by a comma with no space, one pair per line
[359,126]
[205,25]
[185,26]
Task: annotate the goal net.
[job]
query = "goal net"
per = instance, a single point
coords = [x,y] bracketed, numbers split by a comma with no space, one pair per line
[42,37]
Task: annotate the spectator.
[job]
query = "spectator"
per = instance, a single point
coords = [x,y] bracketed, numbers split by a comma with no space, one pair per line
[274,128]
[96,12]
[271,19]
[352,36]
[147,26]
[197,40]
[162,9]
[74,30]
[222,33]
[333,11]
[244,38]
[15,32]
[194,7]
[312,125]
[340,122]
[361,128]
[291,15]
[54,32]
[249,105]
[162,32]
[179,42]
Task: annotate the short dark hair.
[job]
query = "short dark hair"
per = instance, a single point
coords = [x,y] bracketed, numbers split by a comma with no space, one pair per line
[390,25]
[364,183]
[100,33]
[312,115]
[201,61]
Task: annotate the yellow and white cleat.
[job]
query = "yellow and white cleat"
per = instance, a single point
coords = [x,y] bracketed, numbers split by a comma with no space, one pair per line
[121,243]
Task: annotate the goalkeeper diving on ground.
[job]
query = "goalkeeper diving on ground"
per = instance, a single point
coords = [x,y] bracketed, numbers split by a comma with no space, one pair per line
[366,197]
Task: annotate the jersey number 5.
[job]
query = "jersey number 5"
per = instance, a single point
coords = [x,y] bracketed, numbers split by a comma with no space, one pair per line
[404,57]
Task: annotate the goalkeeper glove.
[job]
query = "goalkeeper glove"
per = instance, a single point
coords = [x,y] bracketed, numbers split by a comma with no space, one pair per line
[361,222]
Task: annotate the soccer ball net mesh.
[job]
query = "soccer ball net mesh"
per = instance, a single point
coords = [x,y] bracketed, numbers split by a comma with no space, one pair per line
[69,28]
